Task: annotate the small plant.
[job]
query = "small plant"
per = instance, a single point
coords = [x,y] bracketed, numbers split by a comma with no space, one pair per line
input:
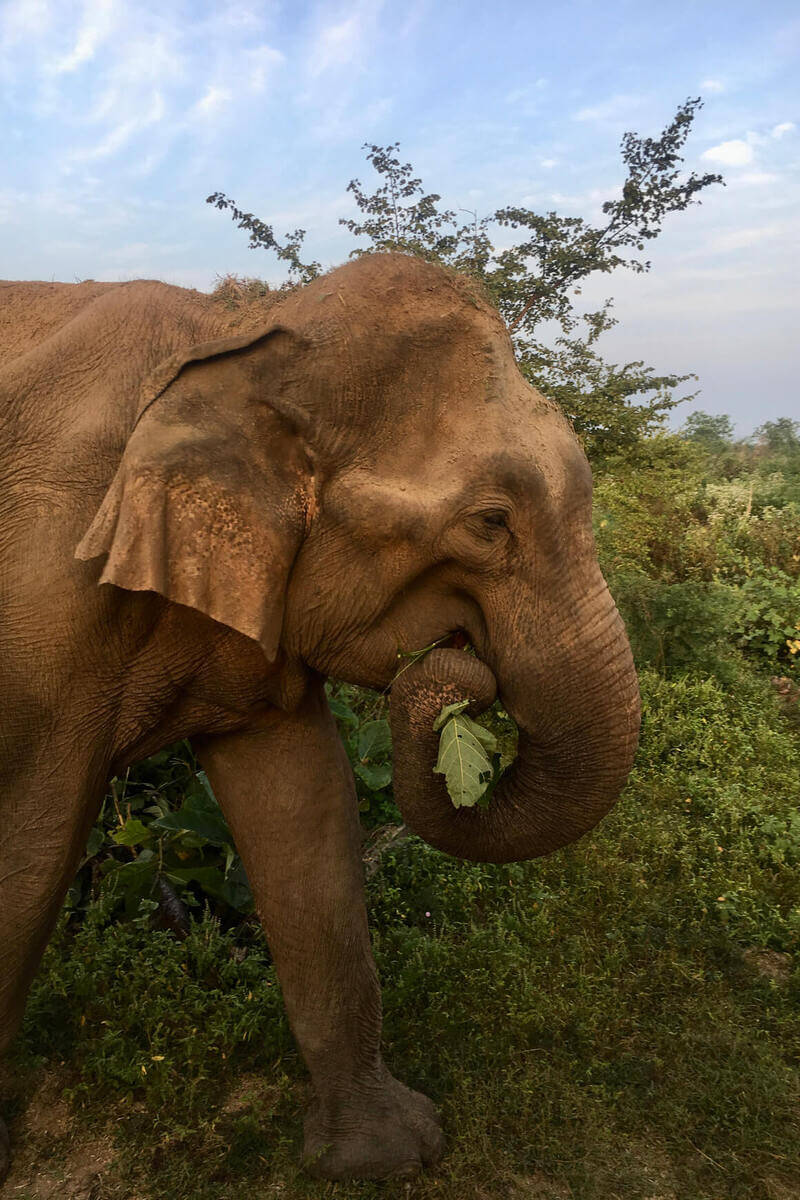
[161,846]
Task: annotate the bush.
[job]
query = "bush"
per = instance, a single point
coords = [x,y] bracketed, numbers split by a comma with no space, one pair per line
[711,626]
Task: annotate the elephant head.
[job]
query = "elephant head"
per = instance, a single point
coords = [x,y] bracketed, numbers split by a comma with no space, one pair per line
[367,477]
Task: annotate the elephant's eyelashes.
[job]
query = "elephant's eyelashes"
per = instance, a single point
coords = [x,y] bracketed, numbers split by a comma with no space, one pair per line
[490,524]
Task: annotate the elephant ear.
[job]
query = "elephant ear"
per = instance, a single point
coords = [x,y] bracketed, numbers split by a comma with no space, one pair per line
[210,502]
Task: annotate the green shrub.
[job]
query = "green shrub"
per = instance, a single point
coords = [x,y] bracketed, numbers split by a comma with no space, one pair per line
[710,626]
[144,1016]
[161,845]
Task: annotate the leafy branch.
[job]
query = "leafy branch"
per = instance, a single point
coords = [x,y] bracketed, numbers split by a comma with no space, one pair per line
[262,237]
[533,281]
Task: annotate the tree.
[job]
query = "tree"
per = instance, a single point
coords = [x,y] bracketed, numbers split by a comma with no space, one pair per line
[537,281]
[713,433]
[779,437]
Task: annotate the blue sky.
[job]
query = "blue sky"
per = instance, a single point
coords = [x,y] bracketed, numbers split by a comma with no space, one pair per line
[120,116]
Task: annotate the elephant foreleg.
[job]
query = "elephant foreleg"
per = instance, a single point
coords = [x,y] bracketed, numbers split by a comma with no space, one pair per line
[287,791]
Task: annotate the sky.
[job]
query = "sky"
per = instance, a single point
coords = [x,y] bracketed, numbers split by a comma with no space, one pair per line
[119,117]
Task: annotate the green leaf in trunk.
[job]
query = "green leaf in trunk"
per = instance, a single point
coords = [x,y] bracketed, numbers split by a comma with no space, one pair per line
[464,749]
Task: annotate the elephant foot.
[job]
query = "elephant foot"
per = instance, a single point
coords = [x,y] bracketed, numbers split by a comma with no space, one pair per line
[389,1132]
[5,1150]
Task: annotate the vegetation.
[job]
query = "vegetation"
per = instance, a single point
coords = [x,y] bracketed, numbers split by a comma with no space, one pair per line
[619,1019]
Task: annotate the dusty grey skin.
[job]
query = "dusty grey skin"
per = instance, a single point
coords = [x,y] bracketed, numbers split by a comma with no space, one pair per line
[192,539]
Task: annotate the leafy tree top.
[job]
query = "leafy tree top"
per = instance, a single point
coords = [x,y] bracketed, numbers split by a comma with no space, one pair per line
[537,280]
[779,437]
[713,433]
[534,280]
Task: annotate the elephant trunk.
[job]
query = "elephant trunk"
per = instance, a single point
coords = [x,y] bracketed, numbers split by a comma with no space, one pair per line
[579,718]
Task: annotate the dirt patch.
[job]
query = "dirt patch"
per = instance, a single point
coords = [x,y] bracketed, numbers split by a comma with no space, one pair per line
[52,1157]
[47,1116]
[78,1175]
[538,1187]
[645,1169]
[251,1093]
[776,1190]
[769,963]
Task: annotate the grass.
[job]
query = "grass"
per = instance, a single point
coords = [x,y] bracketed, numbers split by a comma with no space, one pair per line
[618,1020]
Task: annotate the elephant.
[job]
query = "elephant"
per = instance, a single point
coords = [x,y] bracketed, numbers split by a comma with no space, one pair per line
[198,527]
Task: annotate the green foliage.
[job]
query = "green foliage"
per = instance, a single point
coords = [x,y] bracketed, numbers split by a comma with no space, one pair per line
[534,280]
[780,437]
[363,723]
[262,237]
[160,846]
[705,568]
[678,626]
[148,1018]
[464,758]
[713,433]
[613,407]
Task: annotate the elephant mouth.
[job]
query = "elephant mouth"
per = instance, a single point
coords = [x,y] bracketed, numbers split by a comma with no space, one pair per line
[459,639]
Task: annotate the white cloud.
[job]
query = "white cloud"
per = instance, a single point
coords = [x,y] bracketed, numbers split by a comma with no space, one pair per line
[21,20]
[609,110]
[739,239]
[757,177]
[587,203]
[340,122]
[121,134]
[528,100]
[781,130]
[114,140]
[214,99]
[264,61]
[735,153]
[415,11]
[337,45]
[548,163]
[712,85]
[98,22]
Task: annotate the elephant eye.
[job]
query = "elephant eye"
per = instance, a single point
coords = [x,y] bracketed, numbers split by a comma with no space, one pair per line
[495,520]
[492,523]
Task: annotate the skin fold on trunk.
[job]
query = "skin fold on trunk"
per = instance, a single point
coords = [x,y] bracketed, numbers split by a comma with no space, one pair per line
[561,783]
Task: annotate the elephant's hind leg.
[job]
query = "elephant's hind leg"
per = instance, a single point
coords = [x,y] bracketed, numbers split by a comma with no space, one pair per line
[45,817]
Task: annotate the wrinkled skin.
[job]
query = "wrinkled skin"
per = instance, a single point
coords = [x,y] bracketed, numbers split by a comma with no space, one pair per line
[193,535]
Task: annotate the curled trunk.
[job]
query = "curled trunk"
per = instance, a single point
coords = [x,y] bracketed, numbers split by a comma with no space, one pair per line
[576,745]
